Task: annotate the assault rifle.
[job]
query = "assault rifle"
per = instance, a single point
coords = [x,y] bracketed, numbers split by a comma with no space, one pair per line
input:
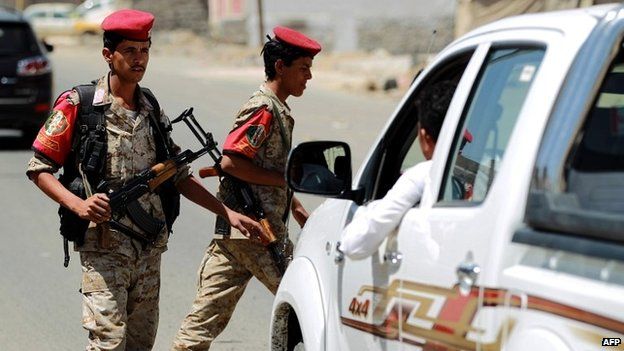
[244,195]
[124,200]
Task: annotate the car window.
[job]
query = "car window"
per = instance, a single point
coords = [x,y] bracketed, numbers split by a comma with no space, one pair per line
[60,14]
[413,156]
[595,177]
[16,38]
[399,148]
[489,118]
[601,149]
[37,14]
[578,181]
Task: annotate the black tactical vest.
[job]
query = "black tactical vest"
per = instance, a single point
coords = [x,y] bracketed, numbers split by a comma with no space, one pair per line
[89,148]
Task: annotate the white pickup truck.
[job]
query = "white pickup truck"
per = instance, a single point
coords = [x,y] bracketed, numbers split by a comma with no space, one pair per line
[518,240]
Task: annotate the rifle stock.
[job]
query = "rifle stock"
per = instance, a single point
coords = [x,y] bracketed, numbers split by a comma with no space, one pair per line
[269,236]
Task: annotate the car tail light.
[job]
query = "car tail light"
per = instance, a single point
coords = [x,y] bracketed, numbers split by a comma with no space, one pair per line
[33,66]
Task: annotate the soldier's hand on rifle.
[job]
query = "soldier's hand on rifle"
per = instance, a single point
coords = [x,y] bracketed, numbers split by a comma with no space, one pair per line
[95,208]
[246,225]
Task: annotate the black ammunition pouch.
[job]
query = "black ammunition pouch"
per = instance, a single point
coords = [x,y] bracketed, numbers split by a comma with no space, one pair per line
[73,228]
[222,227]
[89,150]
[93,148]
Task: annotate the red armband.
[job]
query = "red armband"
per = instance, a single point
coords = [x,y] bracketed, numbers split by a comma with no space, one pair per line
[54,140]
[249,137]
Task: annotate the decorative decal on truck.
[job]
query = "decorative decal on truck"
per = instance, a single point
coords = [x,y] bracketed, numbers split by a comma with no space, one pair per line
[437,318]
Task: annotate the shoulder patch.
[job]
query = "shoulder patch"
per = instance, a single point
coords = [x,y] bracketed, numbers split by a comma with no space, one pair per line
[256,135]
[56,124]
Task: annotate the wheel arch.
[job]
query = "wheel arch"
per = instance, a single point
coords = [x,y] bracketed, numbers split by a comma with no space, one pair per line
[299,293]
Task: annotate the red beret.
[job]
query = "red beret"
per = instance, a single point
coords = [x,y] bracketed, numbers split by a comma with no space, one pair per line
[294,38]
[468,136]
[130,24]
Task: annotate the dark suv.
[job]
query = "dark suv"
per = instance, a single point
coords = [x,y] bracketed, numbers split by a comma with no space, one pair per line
[25,75]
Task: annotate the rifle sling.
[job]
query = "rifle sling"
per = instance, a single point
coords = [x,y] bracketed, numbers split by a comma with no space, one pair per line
[287,144]
[285,140]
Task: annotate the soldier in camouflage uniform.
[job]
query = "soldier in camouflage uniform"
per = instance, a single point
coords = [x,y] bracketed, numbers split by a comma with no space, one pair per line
[121,276]
[255,151]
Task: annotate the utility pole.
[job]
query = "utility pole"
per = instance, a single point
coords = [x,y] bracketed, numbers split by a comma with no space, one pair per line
[260,23]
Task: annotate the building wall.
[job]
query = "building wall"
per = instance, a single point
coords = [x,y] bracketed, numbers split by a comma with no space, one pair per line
[25,3]
[227,20]
[179,14]
[399,26]
[184,14]
[471,14]
[404,36]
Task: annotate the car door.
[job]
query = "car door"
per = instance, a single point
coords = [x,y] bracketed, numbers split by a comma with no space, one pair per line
[368,290]
[446,243]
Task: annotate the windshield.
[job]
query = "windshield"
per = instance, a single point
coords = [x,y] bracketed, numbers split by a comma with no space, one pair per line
[16,38]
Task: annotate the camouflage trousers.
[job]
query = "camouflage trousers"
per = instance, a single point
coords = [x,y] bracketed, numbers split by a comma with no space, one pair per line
[224,272]
[120,300]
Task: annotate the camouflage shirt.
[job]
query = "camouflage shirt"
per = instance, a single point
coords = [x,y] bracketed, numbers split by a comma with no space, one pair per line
[131,149]
[258,136]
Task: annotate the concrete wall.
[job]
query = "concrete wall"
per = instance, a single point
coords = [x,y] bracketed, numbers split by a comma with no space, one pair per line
[25,3]
[399,26]
[227,20]
[404,36]
[178,14]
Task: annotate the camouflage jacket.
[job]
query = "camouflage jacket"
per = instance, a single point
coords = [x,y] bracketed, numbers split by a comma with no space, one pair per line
[131,148]
[271,153]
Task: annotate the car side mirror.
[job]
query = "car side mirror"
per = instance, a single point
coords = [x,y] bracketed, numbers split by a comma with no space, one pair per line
[49,47]
[320,168]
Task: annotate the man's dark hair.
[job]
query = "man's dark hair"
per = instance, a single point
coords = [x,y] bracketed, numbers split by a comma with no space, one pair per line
[112,40]
[275,50]
[432,104]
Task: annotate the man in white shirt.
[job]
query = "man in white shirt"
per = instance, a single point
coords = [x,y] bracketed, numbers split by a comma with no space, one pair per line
[372,223]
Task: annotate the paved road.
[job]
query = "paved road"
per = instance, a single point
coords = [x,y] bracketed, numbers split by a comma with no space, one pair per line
[39,299]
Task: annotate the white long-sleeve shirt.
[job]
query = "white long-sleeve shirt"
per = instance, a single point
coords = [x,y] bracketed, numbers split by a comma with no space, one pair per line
[372,223]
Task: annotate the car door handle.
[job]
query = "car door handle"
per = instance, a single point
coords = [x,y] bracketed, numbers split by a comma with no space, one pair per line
[467,274]
[393,258]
